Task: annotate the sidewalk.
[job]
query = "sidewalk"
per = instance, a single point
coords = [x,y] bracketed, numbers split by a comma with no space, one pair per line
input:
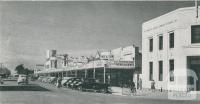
[143,92]
[147,93]
[125,92]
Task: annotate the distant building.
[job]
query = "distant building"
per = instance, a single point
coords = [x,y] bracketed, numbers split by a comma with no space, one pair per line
[105,55]
[171,44]
[76,61]
[51,59]
[39,67]
[117,53]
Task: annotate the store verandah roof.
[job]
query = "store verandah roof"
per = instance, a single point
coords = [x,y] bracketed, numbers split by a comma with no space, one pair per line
[97,64]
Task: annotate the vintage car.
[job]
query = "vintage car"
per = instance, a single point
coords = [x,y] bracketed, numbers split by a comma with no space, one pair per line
[22,79]
[91,84]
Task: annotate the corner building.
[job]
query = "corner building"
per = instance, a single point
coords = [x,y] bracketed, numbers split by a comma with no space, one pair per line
[171,44]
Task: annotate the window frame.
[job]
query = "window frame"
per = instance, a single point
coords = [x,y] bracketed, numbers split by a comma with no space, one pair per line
[160,69]
[171,44]
[150,71]
[171,70]
[150,45]
[160,46]
[192,34]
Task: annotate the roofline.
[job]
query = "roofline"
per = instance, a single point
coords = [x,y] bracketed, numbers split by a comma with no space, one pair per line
[169,13]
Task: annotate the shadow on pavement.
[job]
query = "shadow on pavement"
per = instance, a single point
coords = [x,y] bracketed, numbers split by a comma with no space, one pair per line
[23,88]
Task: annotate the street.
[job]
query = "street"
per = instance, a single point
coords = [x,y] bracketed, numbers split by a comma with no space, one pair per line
[68,96]
[107,52]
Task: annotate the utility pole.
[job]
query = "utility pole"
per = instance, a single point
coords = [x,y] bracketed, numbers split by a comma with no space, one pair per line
[93,68]
[104,73]
[85,73]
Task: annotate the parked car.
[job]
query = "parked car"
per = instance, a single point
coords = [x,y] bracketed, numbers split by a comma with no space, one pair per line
[69,81]
[33,77]
[47,79]
[74,82]
[52,80]
[22,79]
[91,84]
[64,80]
[40,78]
[10,78]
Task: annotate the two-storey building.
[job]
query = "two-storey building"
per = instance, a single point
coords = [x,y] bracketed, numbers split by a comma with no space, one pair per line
[171,46]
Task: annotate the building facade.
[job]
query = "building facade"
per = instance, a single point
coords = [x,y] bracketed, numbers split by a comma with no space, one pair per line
[51,59]
[113,67]
[171,45]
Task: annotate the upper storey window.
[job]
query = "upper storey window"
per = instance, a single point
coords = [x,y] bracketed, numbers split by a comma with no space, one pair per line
[195,34]
[151,44]
[160,42]
[171,40]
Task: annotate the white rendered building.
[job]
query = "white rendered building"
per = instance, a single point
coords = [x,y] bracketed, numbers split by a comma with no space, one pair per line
[171,45]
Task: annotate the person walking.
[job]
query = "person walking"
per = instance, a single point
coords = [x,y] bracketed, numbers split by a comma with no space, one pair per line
[132,88]
[140,83]
[59,82]
[153,86]
[1,80]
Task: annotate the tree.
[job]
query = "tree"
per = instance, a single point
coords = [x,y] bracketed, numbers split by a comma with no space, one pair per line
[4,72]
[21,70]
[28,71]
[31,71]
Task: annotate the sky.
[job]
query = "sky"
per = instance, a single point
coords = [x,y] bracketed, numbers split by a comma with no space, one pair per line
[28,29]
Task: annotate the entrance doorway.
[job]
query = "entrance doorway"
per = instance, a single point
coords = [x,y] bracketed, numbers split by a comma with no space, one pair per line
[194,64]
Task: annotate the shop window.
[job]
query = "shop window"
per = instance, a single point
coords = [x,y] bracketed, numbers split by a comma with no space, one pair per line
[150,71]
[160,42]
[171,40]
[160,70]
[195,34]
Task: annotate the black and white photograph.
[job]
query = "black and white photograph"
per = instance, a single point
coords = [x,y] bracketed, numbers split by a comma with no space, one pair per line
[100,52]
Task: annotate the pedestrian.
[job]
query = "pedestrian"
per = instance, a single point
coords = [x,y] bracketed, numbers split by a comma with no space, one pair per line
[140,83]
[132,88]
[1,80]
[59,82]
[153,86]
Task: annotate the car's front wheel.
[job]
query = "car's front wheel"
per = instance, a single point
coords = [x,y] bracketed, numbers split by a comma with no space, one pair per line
[103,90]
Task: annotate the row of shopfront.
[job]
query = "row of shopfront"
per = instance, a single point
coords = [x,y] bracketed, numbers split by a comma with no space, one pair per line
[115,75]
[113,72]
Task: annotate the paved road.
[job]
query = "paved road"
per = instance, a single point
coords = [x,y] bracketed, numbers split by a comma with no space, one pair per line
[67,96]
